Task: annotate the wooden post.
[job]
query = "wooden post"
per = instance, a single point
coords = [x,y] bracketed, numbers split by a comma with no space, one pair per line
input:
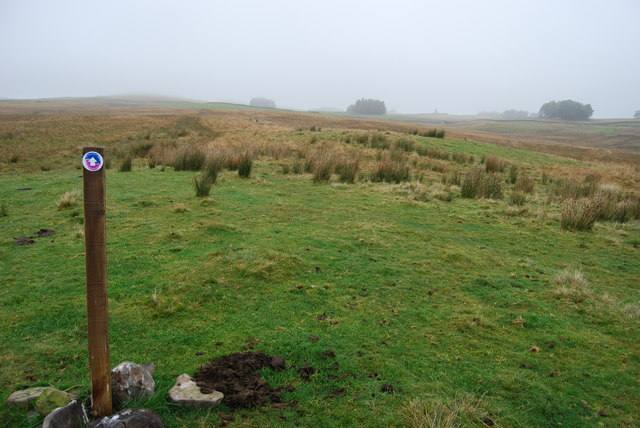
[96,273]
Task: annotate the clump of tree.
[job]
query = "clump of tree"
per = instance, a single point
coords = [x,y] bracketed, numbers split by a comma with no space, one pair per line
[367,106]
[567,110]
[636,114]
[262,102]
[513,114]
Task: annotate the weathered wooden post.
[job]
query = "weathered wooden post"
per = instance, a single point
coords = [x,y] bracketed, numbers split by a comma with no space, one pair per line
[93,177]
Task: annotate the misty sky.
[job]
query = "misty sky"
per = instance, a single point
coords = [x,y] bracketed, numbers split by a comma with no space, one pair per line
[460,57]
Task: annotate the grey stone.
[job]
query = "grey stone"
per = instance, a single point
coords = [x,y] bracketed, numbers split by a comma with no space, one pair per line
[25,397]
[185,392]
[130,418]
[51,399]
[129,380]
[73,415]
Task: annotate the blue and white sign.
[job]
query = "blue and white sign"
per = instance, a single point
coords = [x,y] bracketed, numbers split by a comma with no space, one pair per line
[92,161]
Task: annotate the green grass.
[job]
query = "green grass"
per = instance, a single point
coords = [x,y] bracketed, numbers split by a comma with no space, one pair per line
[442,300]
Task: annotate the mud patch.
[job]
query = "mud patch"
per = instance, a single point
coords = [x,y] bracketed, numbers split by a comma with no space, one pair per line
[45,232]
[236,376]
[24,240]
[29,240]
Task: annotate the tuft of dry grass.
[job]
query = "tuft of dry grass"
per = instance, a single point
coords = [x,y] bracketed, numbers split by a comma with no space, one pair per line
[572,285]
[68,199]
[463,410]
[180,208]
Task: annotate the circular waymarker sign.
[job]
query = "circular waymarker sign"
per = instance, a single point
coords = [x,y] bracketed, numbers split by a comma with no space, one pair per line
[92,161]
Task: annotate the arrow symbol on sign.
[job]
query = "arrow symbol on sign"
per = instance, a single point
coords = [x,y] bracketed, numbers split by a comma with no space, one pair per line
[92,162]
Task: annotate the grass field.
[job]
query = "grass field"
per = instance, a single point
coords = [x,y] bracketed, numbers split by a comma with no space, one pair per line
[475,310]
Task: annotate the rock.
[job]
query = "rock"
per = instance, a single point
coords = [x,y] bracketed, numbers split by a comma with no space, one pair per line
[130,418]
[25,397]
[51,399]
[73,415]
[185,392]
[130,380]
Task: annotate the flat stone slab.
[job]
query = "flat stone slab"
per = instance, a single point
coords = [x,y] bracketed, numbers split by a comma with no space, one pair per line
[186,393]
[24,397]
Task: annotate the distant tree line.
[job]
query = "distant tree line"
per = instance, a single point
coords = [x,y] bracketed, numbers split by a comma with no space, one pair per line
[262,102]
[367,106]
[637,114]
[567,110]
[514,114]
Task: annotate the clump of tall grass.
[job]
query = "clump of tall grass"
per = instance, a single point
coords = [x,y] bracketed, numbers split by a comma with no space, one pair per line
[513,174]
[545,178]
[322,166]
[189,158]
[581,214]
[245,164]
[141,149]
[472,184]
[432,152]
[379,141]
[391,171]
[125,165]
[618,208]
[452,177]
[495,164]
[4,209]
[433,133]
[202,185]
[434,165]
[417,191]
[572,285]
[478,184]
[347,169]
[564,188]
[297,167]
[524,184]
[462,158]
[210,170]
[405,144]
[362,139]
[518,198]
[68,199]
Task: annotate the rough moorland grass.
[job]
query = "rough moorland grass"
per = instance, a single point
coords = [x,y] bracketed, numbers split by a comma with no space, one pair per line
[435,300]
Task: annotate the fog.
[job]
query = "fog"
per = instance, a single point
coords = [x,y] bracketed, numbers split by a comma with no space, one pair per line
[459,57]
